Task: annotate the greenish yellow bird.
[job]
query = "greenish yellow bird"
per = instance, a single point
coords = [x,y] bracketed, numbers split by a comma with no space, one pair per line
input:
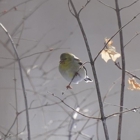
[72,69]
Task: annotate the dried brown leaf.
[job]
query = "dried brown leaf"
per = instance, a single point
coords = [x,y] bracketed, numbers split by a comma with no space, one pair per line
[109,52]
[133,85]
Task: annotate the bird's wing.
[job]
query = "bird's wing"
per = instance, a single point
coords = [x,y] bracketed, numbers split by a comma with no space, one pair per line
[85,69]
[80,63]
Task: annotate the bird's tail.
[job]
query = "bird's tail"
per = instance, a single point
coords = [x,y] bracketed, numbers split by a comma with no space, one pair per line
[87,79]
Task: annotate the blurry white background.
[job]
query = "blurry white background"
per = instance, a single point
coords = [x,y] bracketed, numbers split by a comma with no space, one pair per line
[42,30]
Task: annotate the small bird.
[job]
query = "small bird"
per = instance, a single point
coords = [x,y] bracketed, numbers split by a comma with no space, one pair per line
[72,69]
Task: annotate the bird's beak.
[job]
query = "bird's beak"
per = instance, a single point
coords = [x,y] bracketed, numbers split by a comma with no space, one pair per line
[61,61]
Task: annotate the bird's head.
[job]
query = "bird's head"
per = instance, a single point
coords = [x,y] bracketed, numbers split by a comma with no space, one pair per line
[66,58]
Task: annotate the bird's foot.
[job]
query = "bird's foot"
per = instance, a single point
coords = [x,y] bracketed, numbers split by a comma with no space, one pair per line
[68,87]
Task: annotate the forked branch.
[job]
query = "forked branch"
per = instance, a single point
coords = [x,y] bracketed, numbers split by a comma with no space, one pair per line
[22,80]
[93,70]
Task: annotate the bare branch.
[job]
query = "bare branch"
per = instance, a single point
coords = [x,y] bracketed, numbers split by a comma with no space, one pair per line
[115,35]
[118,113]
[70,8]
[131,39]
[117,64]
[85,125]
[123,68]
[37,107]
[16,99]
[106,5]
[75,110]
[7,11]
[11,127]
[22,80]
[88,1]
[129,5]
[93,70]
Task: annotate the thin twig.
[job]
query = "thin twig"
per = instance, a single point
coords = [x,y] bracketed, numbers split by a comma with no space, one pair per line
[37,107]
[22,28]
[129,5]
[91,117]
[7,11]
[88,1]
[85,125]
[115,35]
[106,5]
[82,102]
[22,80]
[123,69]
[16,99]
[70,8]
[131,39]
[118,113]
[117,64]
[104,98]
[93,70]
[25,18]
[11,127]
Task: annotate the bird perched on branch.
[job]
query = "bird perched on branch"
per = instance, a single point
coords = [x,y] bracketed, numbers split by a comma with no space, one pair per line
[72,69]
